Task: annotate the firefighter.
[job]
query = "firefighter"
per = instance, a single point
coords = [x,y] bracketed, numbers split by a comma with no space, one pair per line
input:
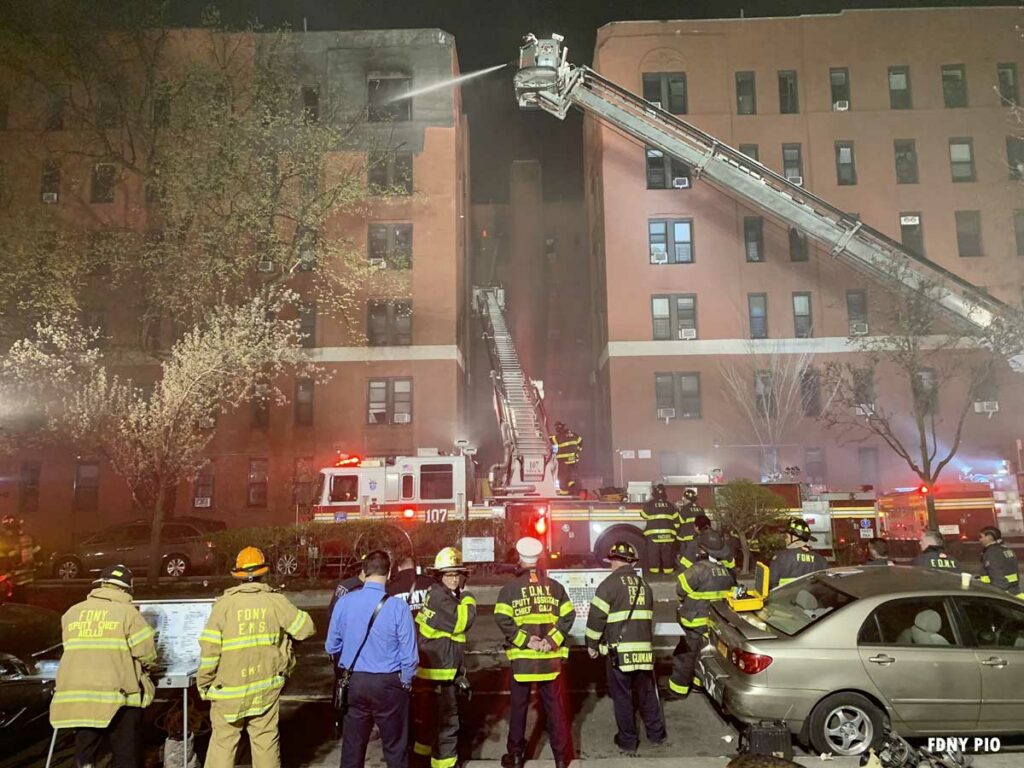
[620,627]
[878,553]
[999,562]
[690,551]
[245,654]
[688,511]
[568,448]
[660,530]
[797,559]
[10,547]
[447,614]
[103,681]
[703,583]
[409,586]
[933,554]
[535,614]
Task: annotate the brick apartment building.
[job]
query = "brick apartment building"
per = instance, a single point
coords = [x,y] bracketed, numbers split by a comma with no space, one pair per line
[397,380]
[897,116]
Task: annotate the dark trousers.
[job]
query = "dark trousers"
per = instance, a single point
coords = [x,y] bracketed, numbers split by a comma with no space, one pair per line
[684,661]
[552,696]
[436,723]
[124,735]
[376,698]
[621,687]
[566,477]
[661,556]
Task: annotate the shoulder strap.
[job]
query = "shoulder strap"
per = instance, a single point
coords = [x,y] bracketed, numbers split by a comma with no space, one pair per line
[632,608]
[369,626]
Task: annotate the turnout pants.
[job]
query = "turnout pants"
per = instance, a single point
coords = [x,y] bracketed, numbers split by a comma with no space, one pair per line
[264,741]
[566,477]
[124,734]
[436,722]
[684,661]
[552,696]
[621,687]
[376,698]
[661,555]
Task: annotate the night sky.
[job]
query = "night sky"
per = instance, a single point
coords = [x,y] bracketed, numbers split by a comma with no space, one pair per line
[488,32]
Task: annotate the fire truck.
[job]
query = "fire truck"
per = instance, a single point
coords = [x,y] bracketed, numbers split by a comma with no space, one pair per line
[963,509]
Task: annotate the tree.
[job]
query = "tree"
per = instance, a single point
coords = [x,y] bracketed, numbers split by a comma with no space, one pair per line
[748,509]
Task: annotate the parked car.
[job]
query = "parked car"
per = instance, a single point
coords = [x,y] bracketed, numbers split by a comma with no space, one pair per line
[30,643]
[186,550]
[844,653]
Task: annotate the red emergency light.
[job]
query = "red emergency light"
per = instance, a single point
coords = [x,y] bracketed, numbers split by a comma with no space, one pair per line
[409,513]
[344,460]
[541,526]
[923,490]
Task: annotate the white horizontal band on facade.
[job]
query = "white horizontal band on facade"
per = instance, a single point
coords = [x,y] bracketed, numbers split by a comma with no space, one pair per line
[414,353]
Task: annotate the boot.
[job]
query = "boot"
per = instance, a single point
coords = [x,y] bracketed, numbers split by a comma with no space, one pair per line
[513,760]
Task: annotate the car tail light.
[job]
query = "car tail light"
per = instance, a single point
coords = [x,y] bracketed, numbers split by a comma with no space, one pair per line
[749,663]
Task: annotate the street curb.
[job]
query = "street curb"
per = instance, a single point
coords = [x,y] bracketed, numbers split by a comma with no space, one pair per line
[1006,760]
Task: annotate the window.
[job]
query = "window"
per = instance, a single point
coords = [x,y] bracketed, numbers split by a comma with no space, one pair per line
[1006,77]
[954,85]
[50,186]
[310,95]
[161,115]
[810,392]
[87,486]
[911,233]
[304,482]
[961,159]
[674,317]
[802,315]
[994,623]
[839,82]
[746,94]
[1018,230]
[893,623]
[798,250]
[390,401]
[753,237]
[769,464]
[814,465]
[792,163]
[390,173]
[202,487]
[28,488]
[787,611]
[757,311]
[925,389]
[108,114]
[1015,157]
[101,189]
[670,241]
[304,402]
[436,482]
[789,103]
[846,171]
[408,489]
[57,97]
[388,323]
[864,386]
[899,88]
[344,488]
[258,482]
[968,233]
[663,170]
[307,323]
[391,245]
[857,310]
[261,412]
[905,151]
[680,391]
[867,461]
[384,99]
[750,150]
[764,392]
[666,88]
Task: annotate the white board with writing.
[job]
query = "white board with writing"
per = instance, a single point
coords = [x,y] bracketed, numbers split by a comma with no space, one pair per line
[178,624]
[581,586]
[478,549]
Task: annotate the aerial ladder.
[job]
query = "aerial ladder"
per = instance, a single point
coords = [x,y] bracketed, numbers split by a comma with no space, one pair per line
[545,80]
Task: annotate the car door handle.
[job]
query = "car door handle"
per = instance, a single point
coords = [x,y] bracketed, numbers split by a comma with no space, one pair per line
[994,661]
[125,549]
[882,659]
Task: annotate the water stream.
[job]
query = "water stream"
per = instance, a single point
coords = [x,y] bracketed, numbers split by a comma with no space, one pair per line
[449,82]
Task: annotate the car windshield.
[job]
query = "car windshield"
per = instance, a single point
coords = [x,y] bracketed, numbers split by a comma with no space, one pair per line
[793,608]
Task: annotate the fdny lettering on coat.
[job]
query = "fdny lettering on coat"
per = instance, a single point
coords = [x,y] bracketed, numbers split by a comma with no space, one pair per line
[251,621]
[92,623]
[534,599]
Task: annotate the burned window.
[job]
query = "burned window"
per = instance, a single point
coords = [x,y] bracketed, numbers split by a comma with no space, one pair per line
[746,93]
[789,101]
[310,96]
[387,99]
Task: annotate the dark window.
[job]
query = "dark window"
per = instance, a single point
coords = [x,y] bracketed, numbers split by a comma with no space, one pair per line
[667,89]
[798,250]
[202,487]
[846,170]
[757,311]
[390,173]
[968,233]
[789,102]
[810,392]
[391,245]
[108,113]
[746,94]
[87,486]
[993,623]
[954,85]
[857,311]
[388,323]
[911,233]
[750,150]
[307,323]
[304,402]
[764,393]
[101,189]
[57,97]
[1015,157]
[389,401]
[665,171]
[793,163]
[310,95]
[678,391]
[899,88]
[161,116]
[304,482]
[864,386]
[906,161]
[28,488]
[674,316]
[50,186]
[753,237]
[1006,76]
[802,325]
[1018,230]
[961,159]
[258,483]
[384,99]
[344,488]
[670,241]
[894,623]
[261,412]
[814,465]
[436,481]
[839,82]
[925,389]
[408,489]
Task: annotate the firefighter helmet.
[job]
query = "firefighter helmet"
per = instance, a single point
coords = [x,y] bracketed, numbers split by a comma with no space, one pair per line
[449,560]
[701,523]
[9,521]
[713,543]
[690,494]
[559,426]
[118,576]
[250,564]
[799,529]
[658,493]
[624,551]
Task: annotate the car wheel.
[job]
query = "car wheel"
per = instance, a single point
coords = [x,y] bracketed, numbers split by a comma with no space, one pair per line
[287,564]
[175,566]
[845,724]
[67,569]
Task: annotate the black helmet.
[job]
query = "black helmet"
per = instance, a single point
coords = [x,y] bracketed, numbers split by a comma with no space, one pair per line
[623,551]
[559,426]
[713,543]
[117,575]
[799,529]
[9,521]
[690,493]
[701,523]
[658,493]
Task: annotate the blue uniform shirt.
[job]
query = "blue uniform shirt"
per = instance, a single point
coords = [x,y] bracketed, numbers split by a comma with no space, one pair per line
[391,646]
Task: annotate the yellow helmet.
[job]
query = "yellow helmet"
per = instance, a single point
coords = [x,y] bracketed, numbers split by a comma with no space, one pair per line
[250,563]
[448,559]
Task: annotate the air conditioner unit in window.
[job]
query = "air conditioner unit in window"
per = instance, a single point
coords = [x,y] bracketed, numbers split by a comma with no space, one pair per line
[378,263]
[798,180]
[986,406]
[687,334]
[680,182]
[858,329]
[865,409]
[207,422]
[401,418]
[659,257]
[655,104]
[49,197]
[840,106]
[202,502]
[265,265]
[909,221]
[666,413]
